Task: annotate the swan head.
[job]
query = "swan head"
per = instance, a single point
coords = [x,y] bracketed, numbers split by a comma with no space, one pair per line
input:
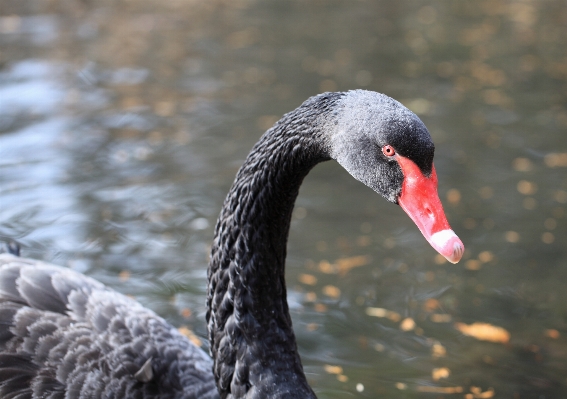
[388,148]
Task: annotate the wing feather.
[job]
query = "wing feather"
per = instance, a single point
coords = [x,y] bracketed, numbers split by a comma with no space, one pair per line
[65,335]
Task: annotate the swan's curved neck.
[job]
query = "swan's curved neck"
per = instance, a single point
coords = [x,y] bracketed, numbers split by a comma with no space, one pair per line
[250,332]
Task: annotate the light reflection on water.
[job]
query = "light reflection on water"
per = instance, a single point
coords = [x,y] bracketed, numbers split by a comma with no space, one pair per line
[122,127]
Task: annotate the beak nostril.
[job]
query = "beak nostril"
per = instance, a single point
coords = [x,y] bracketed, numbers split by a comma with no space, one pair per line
[458,251]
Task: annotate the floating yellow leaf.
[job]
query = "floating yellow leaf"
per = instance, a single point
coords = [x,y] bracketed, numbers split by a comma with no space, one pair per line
[552,333]
[310,297]
[512,236]
[380,312]
[547,237]
[332,291]
[522,165]
[401,386]
[526,187]
[377,312]
[326,267]
[345,264]
[431,389]
[478,394]
[472,264]
[438,373]
[454,196]
[124,275]
[555,160]
[430,305]
[307,279]
[319,307]
[485,256]
[379,347]
[333,369]
[438,350]
[441,318]
[408,324]
[484,332]
[394,316]
[191,335]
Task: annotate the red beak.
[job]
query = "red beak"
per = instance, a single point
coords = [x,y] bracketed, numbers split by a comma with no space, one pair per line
[421,202]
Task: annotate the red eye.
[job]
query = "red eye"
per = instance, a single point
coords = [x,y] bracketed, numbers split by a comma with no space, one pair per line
[388,150]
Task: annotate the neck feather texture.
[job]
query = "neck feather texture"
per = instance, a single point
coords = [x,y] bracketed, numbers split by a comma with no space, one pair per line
[250,331]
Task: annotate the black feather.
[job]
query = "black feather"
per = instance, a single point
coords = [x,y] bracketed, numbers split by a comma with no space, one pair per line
[64,335]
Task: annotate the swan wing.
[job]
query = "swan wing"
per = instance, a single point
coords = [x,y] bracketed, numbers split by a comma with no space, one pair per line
[65,335]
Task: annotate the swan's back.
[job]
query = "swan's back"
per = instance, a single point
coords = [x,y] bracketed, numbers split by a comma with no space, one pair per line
[65,335]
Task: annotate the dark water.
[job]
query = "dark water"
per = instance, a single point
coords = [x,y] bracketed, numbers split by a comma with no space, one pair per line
[122,124]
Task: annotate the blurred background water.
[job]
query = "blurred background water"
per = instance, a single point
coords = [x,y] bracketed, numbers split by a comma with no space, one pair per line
[123,123]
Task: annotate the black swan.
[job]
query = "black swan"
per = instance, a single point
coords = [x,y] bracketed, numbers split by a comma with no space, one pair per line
[64,335]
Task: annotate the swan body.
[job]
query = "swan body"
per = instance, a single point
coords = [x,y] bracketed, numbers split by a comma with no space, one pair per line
[69,336]
[65,335]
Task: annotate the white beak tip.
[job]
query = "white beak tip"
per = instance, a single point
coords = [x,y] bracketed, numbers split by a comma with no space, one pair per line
[448,244]
[458,251]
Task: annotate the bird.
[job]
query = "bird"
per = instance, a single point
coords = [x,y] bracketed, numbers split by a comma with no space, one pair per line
[66,335]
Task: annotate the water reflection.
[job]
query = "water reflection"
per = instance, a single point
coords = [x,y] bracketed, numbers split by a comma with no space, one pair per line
[122,126]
